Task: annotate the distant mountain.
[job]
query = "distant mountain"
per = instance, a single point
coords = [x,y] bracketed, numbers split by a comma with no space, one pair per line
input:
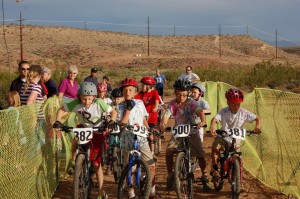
[284,43]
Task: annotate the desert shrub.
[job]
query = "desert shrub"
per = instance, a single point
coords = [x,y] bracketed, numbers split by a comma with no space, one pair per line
[267,74]
[5,80]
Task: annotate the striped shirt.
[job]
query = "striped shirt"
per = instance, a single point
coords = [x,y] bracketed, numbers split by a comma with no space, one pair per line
[33,87]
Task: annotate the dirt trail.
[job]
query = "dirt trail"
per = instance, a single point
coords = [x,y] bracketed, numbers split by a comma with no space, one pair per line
[254,189]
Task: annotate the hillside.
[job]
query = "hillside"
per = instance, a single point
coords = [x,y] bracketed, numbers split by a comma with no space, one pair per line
[58,47]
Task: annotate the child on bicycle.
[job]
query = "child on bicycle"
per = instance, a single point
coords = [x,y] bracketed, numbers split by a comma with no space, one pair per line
[151,100]
[89,109]
[183,109]
[117,98]
[132,112]
[198,91]
[232,116]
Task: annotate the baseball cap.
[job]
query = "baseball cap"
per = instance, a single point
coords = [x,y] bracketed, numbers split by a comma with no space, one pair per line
[94,69]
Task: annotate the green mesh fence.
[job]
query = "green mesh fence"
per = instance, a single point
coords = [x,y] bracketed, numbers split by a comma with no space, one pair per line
[30,165]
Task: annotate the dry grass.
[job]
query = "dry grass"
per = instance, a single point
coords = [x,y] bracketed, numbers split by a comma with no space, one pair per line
[58,47]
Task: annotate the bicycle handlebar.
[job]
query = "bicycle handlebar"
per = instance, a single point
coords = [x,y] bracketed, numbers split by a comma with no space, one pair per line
[224,133]
[65,128]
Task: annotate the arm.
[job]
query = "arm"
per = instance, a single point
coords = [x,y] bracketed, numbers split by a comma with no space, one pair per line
[60,95]
[200,114]
[212,126]
[146,123]
[163,123]
[32,97]
[257,126]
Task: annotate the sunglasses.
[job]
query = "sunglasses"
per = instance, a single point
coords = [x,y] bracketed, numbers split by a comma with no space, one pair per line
[188,69]
[181,95]
[24,68]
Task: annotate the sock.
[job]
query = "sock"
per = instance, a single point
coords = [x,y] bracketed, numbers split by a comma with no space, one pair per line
[152,191]
[131,193]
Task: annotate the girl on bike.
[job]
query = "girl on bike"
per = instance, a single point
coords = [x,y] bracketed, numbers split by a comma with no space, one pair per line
[132,112]
[89,110]
[151,99]
[232,116]
[102,91]
[183,109]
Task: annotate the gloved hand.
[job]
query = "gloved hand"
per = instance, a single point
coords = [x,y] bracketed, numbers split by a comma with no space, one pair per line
[111,124]
[130,104]
[57,124]
[59,144]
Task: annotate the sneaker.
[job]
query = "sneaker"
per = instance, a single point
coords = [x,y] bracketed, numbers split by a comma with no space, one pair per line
[103,196]
[170,180]
[71,168]
[205,183]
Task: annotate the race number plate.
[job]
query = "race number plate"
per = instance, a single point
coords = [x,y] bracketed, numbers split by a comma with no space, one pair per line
[83,135]
[237,133]
[115,130]
[182,130]
[140,131]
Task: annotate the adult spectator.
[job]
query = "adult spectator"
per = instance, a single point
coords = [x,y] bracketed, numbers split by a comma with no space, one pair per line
[92,77]
[16,84]
[189,75]
[67,90]
[105,81]
[160,82]
[49,83]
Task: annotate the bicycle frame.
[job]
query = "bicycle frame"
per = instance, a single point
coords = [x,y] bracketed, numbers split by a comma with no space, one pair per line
[134,154]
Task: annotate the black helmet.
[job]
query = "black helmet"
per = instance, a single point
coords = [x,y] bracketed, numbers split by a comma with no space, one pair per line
[116,92]
[182,84]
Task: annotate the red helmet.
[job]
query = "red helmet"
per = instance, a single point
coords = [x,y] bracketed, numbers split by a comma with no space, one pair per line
[234,95]
[148,80]
[129,82]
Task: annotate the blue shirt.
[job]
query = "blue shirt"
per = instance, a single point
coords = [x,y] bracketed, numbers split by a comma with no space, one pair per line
[160,80]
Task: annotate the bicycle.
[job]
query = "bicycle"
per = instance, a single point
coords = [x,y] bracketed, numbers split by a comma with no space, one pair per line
[115,153]
[157,138]
[136,173]
[84,171]
[185,165]
[230,162]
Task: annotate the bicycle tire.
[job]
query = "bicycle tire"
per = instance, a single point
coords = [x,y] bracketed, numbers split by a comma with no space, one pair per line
[141,192]
[235,179]
[183,180]
[117,166]
[218,181]
[81,186]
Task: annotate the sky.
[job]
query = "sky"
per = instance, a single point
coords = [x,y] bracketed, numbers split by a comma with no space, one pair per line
[259,18]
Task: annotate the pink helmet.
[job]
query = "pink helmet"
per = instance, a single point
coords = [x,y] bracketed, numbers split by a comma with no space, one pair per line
[102,87]
[234,95]
[148,80]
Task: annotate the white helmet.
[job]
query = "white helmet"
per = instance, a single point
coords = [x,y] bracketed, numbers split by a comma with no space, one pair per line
[87,88]
[199,86]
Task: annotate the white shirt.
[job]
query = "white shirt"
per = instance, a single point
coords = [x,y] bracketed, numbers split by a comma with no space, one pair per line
[230,120]
[189,77]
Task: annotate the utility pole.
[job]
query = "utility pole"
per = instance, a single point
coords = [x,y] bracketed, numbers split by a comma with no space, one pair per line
[21,37]
[220,44]
[174,31]
[148,36]
[276,44]
[247,30]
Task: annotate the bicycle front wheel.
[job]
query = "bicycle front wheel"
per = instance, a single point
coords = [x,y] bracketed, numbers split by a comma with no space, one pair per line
[235,179]
[81,184]
[183,179]
[117,165]
[143,191]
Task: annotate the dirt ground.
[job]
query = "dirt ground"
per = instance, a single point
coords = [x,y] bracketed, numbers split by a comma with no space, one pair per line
[254,189]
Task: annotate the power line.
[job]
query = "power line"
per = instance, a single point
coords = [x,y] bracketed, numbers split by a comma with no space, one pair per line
[4,37]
